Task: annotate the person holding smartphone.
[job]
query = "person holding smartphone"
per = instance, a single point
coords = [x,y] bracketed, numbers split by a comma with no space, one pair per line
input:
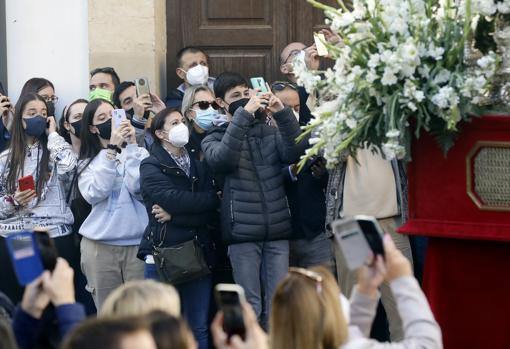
[37,154]
[255,214]
[38,159]
[109,180]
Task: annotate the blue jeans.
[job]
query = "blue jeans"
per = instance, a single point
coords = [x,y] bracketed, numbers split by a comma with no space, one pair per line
[258,267]
[306,253]
[195,301]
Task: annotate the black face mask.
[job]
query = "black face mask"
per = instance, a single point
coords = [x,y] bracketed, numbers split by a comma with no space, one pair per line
[105,129]
[51,108]
[77,128]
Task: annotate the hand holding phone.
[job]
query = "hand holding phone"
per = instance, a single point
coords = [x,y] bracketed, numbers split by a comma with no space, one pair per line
[230,298]
[360,238]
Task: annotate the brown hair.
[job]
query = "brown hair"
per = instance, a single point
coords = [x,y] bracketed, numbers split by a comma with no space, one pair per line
[170,332]
[306,313]
[17,150]
[103,333]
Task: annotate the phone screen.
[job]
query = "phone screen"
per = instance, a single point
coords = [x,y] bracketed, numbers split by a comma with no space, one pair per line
[24,257]
[233,321]
[373,236]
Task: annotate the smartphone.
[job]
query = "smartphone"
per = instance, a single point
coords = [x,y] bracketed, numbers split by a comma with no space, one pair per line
[319,40]
[259,83]
[25,256]
[47,249]
[359,238]
[142,86]
[26,183]
[118,115]
[229,298]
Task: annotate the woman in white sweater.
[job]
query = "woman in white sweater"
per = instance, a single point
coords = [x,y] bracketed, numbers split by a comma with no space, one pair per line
[109,180]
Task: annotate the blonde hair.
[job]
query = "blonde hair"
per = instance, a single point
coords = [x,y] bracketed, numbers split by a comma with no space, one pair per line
[189,98]
[307,314]
[141,297]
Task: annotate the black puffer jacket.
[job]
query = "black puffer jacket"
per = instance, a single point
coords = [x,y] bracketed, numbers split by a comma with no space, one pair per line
[191,201]
[250,154]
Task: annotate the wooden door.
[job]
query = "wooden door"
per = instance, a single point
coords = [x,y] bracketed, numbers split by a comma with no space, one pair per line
[245,36]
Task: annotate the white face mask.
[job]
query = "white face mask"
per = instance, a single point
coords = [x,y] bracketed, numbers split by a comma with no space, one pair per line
[178,136]
[197,75]
[296,114]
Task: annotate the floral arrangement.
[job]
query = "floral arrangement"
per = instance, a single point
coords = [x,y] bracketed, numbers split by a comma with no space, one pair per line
[401,63]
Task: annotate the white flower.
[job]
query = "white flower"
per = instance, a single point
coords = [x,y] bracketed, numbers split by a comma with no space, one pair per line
[485,61]
[374,60]
[435,52]
[412,106]
[484,7]
[393,133]
[351,123]
[389,78]
[504,7]
[445,98]
[442,77]
[371,76]
[419,96]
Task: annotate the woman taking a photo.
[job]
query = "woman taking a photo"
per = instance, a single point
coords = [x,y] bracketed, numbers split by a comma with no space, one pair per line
[109,180]
[181,186]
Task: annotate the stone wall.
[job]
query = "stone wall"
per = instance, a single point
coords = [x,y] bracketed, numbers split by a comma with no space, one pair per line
[129,35]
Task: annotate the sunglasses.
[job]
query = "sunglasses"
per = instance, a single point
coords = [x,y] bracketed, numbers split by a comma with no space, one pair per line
[204,105]
[311,275]
[282,85]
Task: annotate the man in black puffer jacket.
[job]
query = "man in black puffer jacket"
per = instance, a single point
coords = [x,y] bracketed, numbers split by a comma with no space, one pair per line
[254,211]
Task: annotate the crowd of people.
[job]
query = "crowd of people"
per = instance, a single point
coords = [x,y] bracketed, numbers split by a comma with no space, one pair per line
[149,213]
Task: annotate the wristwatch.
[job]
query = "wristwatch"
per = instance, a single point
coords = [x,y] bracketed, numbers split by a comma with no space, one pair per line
[114,147]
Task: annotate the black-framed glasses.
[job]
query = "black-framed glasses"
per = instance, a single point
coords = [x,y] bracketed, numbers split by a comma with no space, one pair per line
[282,85]
[311,275]
[204,105]
[106,70]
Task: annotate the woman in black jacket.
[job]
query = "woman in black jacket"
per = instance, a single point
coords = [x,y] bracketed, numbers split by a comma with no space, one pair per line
[180,185]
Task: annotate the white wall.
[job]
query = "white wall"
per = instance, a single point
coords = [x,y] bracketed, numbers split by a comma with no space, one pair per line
[49,39]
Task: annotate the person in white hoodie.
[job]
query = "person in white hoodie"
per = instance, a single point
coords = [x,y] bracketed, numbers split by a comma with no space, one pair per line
[308,312]
[109,180]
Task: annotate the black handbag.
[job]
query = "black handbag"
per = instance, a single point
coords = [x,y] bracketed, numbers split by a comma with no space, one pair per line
[180,263]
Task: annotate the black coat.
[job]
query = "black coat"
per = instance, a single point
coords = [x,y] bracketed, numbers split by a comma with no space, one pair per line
[191,201]
[250,154]
[307,201]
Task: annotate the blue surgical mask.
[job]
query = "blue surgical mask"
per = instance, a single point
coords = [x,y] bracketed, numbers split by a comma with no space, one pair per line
[205,118]
[36,126]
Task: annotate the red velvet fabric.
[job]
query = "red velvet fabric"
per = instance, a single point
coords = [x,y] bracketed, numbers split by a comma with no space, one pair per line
[467,283]
[467,268]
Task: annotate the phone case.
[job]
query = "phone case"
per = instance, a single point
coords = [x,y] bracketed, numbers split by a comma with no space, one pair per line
[26,183]
[322,50]
[259,83]
[118,115]
[25,256]
[142,86]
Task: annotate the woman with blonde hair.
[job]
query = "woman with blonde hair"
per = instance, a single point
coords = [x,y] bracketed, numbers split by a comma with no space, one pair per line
[307,312]
[140,297]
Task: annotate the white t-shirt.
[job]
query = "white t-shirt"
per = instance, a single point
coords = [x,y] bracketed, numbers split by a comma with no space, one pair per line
[369,187]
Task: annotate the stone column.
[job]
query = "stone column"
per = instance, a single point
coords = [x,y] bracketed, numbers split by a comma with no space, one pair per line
[130,36]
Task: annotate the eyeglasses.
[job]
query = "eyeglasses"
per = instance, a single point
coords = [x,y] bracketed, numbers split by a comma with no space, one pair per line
[282,85]
[204,105]
[48,99]
[316,277]
[106,70]
[291,54]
